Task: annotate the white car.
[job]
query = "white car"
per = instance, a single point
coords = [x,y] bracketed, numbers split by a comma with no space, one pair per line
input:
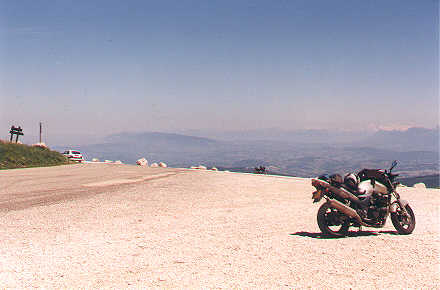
[74,155]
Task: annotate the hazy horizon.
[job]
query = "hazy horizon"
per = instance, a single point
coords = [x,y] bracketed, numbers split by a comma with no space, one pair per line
[312,136]
[103,67]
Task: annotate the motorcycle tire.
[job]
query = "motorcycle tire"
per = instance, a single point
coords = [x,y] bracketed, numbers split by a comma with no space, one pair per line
[329,221]
[404,225]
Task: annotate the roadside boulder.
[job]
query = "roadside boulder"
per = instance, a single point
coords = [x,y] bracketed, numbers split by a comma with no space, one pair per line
[154,164]
[95,160]
[199,167]
[162,164]
[142,162]
[118,162]
[214,169]
[42,145]
[419,185]
[108,161]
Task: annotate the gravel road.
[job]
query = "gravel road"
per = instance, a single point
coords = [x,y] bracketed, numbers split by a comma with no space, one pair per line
[120,226]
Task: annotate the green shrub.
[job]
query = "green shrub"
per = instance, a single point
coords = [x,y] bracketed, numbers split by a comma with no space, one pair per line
[21,156]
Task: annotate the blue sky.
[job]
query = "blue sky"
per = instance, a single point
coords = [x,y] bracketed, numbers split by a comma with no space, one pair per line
[99,67]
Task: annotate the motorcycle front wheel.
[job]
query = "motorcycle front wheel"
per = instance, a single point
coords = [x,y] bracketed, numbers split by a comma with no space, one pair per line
[404,224]
[331,222]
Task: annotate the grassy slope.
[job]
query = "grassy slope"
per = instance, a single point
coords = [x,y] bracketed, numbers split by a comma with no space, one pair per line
[21,156]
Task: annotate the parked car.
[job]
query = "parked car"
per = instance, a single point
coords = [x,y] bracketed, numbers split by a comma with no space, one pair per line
[74,155]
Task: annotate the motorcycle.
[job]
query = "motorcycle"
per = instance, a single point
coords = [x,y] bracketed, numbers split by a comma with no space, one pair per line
[363,199]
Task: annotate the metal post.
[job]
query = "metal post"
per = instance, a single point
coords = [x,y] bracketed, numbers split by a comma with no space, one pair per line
[40,131]
[12,133]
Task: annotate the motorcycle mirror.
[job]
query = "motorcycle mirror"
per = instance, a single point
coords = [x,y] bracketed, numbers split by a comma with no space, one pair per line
[393,165]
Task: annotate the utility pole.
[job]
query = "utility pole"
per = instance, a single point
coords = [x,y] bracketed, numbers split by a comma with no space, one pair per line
[12,133]
[41,130]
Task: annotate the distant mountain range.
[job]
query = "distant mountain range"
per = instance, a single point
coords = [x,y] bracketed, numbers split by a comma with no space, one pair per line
[291,136]
[416,149]
[406,140]
[161,141]
[431,181]
[411,139]
[175,149]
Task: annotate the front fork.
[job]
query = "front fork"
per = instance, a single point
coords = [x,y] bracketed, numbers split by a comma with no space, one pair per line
[399,202]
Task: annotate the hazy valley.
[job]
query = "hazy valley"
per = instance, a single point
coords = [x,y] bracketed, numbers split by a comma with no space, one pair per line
[298,153]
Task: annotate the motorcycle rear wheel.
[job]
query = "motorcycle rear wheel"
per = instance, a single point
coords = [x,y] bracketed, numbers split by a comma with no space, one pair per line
[404,224]
[331,222]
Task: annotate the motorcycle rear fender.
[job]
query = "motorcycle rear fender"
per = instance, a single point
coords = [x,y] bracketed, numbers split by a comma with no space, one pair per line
[394,205]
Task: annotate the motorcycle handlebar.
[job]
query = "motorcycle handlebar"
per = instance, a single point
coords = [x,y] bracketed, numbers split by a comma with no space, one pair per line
[393,165]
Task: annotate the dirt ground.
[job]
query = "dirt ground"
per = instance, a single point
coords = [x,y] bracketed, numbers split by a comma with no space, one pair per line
[120,226]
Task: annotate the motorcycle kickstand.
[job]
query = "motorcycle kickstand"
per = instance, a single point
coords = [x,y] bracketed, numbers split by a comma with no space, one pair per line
[360,229]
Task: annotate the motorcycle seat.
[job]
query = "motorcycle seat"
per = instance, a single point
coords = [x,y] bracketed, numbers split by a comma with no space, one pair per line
[336,179]
[348,188]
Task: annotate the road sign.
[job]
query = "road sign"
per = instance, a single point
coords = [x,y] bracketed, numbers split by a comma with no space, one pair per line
[17,131]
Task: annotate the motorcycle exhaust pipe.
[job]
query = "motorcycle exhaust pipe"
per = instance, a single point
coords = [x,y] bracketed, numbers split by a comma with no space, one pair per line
[346,210]
[345,194]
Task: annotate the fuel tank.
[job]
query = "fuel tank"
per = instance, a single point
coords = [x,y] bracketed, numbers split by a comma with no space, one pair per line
[368,187]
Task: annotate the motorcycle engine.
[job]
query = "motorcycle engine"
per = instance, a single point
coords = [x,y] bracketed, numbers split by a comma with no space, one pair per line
[378,208]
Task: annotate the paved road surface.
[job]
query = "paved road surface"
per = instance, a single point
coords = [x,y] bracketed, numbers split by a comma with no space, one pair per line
[22,188]
[120,226]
